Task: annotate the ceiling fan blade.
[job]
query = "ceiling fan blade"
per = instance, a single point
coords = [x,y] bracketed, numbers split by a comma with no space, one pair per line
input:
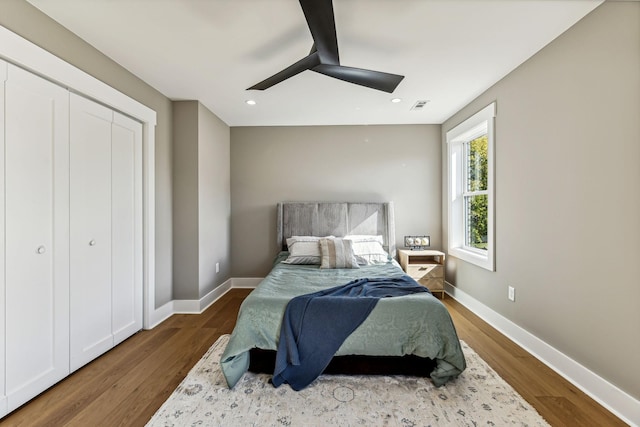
[385,82]
[322,24]
[306,63]
[324,58]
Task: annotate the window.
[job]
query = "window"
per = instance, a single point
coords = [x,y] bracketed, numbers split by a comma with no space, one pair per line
[470,192]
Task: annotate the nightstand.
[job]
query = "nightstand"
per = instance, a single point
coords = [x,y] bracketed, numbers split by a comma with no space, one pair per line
[425,266]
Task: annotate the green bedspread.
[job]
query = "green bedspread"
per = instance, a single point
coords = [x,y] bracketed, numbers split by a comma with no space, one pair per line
[417,324]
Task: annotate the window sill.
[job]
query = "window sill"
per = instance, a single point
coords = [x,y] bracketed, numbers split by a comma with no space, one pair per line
[481,260]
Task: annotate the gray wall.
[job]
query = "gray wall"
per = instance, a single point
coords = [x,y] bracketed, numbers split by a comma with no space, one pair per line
[185,200]
[329,163]
[27,21]
[201,202]
[214,200]
[567,201]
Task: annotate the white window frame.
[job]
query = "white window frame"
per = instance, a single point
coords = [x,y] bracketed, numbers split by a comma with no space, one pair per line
[477,125]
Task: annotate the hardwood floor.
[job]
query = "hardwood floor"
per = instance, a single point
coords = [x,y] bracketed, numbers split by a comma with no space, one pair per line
[128,384]
[556,399]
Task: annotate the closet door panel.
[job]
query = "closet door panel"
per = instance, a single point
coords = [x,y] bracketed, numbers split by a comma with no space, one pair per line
[36,235]
[3,395]
[126,211]
[90,240]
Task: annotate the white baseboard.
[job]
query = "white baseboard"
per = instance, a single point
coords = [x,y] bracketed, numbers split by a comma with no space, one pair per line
[246,282]
[162,313]
[198,306]
[159,315]
[608,395]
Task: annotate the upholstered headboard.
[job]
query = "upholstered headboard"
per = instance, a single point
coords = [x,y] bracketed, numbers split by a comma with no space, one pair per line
[337,219]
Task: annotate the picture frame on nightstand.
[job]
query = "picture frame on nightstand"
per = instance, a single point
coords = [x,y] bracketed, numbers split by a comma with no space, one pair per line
[417,242]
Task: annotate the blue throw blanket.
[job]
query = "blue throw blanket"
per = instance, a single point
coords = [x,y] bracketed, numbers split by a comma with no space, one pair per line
[315,325]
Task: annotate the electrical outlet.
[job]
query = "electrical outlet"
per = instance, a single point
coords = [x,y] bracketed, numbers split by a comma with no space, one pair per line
[512,293]
[217,267]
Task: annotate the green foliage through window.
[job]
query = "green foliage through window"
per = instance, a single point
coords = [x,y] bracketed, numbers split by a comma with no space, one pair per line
[476,198]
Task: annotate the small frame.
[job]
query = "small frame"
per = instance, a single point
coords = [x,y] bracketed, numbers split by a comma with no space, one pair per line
[417,242]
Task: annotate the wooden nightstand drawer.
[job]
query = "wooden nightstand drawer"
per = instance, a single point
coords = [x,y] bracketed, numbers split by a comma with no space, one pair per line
[426,271]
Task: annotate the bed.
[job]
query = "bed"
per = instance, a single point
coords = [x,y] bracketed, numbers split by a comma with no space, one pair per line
[417,325]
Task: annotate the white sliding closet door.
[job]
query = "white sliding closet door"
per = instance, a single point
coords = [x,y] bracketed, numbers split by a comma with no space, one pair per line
[3,394]
[126,213]
[36,172]
[106,229]
[90,218]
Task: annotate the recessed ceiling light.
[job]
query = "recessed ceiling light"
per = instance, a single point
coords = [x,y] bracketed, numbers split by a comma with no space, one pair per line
[396,100]
[250,102]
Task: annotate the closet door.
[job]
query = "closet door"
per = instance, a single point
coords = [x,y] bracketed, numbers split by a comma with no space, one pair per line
[106,229]
[126,226]
[90,239]
[3,394]
[36,172]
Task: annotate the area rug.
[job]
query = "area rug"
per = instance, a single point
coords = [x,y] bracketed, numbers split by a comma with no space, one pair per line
[477,397]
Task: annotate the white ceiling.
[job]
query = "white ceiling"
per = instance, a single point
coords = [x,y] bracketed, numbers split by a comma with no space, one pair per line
[449,51]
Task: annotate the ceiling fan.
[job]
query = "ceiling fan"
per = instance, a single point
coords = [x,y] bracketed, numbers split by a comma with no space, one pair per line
[324,58]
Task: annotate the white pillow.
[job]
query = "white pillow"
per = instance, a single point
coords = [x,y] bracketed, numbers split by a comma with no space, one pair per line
[337,253]
[368,250]
[364,238]
[304,250]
